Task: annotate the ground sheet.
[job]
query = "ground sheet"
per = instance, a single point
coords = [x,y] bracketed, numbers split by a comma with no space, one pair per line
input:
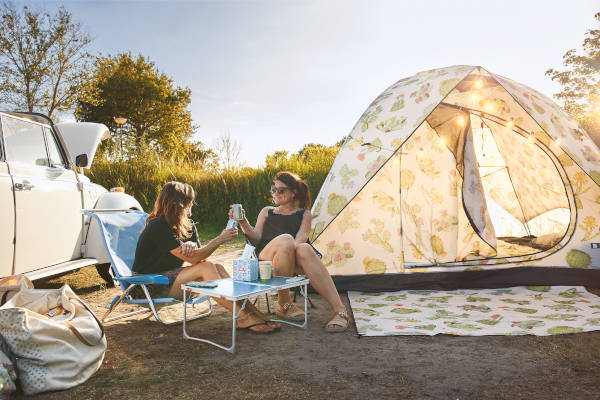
[530,310]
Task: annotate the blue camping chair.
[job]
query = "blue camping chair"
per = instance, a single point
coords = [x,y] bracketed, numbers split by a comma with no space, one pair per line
[120,231]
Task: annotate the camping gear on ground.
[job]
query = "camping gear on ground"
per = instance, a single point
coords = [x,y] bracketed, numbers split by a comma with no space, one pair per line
[120,232]
[56,339]
[245,269]
[461,170]
[10,285]
[530,310]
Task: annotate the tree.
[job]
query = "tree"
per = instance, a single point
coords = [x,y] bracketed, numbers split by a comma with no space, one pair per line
[228,150]
[43,59]
[581,83]
[155,109]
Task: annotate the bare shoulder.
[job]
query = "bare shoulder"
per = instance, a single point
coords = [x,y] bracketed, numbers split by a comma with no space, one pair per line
[307,214]
[265,211]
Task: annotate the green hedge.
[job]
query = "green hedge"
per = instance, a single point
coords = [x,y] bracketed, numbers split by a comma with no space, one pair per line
[144,176]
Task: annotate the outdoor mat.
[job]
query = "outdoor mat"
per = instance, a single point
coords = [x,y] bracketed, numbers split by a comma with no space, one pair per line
[529,310]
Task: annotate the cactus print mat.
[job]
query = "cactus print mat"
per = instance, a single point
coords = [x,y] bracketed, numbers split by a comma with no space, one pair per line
[530,310]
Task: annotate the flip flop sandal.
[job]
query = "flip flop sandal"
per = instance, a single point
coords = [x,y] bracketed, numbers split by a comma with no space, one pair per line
[274,324]
[291,313]
[338,323]
[259,324]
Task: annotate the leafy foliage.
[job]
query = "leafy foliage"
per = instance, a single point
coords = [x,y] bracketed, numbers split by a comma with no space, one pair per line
[144,176]
[581,83]
[155,109]
[43,59]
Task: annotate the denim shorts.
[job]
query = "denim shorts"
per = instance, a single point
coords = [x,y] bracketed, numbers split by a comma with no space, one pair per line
[157,291]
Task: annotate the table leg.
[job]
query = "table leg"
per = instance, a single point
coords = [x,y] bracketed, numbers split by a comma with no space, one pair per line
[234,317]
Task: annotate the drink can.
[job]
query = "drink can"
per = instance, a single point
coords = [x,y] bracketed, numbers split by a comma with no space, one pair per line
[236,211]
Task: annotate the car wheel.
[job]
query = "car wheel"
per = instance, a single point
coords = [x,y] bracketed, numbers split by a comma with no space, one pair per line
[104,272]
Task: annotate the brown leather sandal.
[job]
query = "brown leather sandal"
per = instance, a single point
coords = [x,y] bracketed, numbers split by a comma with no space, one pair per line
[338,323]
[290,312]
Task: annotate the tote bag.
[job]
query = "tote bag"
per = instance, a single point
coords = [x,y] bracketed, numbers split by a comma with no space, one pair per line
[56,339]
[10,285]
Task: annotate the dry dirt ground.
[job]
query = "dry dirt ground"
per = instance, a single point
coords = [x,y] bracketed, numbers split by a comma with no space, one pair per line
[146,360]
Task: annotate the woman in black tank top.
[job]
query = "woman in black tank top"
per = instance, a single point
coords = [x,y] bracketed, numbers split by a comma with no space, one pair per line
[281,236]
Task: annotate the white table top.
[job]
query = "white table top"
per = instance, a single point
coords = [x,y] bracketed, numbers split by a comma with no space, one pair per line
[238,290]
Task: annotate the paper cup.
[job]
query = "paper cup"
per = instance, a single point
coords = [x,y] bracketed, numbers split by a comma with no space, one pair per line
[265,270]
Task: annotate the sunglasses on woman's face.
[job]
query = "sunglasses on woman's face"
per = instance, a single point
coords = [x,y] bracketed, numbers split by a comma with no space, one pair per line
[279,190]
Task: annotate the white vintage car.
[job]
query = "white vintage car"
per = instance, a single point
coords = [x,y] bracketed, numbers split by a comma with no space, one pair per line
[42,196]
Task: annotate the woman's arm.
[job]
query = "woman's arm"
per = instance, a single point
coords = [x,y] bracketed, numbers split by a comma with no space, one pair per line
[304,231]
[254,234]
[198,255]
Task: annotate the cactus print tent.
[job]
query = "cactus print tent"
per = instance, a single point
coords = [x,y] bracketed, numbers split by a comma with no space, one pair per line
[458,177]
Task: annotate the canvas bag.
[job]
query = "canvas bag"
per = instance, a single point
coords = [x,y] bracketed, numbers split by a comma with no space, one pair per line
[10,285]
[56,339]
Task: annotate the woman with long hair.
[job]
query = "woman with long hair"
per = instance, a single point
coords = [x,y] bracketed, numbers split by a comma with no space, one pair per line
[281,236]
[170,239]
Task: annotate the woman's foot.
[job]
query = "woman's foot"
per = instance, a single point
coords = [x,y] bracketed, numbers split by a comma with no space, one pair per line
[254,311]
[254,324]
[338,323]
[290,312]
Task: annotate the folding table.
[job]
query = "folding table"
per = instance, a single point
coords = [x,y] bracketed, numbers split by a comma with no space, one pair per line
[240,290]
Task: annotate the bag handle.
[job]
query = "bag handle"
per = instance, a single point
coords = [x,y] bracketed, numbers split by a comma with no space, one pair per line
[77,333]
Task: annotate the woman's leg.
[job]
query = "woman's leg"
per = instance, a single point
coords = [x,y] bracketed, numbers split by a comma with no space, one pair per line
[281,251]
[320,279]
[206,271]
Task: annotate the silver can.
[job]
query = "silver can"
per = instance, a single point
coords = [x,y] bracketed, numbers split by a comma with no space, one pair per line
[236,211]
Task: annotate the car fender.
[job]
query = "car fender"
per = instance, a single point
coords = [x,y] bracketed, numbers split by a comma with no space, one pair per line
[94,247]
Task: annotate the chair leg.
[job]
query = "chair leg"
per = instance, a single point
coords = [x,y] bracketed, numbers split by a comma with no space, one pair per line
[307,297]
[116,303]
[267,300]
[151,304]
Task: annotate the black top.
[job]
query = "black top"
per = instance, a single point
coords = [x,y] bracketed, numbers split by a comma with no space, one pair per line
[153,251]
[278,224]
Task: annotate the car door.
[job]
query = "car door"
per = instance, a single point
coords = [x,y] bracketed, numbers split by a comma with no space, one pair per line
[48,218]
[7,216]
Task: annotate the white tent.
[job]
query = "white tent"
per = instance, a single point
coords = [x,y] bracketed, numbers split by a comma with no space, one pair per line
[460,169]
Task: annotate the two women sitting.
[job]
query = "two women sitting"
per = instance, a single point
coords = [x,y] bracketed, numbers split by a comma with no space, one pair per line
[280,235]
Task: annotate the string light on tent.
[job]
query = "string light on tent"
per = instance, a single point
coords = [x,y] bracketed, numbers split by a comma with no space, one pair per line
[510,124]
[478,84]
[461,120]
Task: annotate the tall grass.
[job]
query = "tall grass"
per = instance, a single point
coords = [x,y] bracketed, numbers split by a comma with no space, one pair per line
[144,175]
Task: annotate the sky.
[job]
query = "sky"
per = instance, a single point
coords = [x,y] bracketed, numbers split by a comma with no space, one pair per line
[278,74]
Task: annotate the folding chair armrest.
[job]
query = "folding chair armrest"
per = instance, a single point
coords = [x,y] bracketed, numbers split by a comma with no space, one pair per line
[147,279]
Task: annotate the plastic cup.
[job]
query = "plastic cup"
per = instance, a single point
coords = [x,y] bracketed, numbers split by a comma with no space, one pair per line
[265,270]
